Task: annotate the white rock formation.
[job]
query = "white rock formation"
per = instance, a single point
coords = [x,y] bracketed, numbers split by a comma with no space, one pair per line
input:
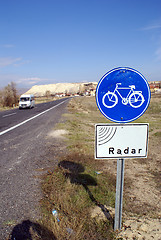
[69,88]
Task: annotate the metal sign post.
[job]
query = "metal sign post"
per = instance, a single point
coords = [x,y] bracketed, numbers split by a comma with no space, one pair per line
[122,96]
[120,141]
[119,194]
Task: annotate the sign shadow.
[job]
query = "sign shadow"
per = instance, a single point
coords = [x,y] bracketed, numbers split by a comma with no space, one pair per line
[74,172]
[28,230]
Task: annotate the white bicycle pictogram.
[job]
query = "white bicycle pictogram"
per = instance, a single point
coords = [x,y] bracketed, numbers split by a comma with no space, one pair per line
[134,98]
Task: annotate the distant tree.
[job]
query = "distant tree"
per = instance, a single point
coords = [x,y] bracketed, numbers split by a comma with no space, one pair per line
[10,96]
[1,98]
[14,91]
[48,93]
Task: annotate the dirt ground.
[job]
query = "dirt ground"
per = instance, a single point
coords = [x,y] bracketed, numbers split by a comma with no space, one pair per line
[142,208]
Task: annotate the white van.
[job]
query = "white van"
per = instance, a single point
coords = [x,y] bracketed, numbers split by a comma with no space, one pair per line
[27,101]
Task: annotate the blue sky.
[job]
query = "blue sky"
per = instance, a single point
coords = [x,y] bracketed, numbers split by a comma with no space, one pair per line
[51,41]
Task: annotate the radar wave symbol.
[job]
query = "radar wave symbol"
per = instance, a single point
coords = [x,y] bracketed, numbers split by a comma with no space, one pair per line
[105,134]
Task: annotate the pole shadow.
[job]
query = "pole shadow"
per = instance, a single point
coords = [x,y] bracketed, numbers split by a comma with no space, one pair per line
[28,230]
[74,171]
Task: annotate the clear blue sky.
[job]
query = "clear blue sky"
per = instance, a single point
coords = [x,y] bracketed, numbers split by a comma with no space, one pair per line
[50,41]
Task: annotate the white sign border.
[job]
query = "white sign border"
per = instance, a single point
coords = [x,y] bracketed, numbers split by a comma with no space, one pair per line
[117,124]
[97,90]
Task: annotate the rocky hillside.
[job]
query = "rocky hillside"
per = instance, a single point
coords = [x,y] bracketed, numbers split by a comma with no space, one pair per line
[61,88]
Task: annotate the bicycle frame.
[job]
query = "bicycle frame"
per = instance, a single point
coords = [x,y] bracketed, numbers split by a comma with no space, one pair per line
[134,98]
[123,88]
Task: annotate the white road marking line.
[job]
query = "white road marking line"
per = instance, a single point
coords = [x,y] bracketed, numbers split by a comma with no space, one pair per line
[9,114]
[9,129]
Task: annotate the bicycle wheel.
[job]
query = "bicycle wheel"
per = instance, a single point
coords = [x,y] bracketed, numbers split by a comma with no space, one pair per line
[136,99]
[110,99]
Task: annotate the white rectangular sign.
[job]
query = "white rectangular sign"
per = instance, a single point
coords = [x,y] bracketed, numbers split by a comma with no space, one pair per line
[121,140]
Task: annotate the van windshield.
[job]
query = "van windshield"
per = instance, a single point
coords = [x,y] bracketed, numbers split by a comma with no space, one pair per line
[24,99]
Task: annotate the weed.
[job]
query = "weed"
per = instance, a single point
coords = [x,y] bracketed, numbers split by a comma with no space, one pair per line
[74,188]
[10,223]
[158,134]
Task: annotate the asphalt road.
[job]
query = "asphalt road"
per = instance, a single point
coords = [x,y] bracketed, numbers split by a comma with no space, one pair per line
[25,149]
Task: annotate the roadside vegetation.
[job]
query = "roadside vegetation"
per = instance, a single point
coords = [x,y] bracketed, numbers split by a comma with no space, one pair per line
[81,190]
[9,96]
[78,189]
[45,99]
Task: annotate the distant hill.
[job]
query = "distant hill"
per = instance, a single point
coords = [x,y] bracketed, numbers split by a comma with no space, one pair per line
[61,88]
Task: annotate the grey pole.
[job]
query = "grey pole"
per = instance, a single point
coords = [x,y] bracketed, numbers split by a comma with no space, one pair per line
[119,194]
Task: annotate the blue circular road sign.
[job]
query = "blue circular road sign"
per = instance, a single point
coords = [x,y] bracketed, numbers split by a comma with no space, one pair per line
[123,95]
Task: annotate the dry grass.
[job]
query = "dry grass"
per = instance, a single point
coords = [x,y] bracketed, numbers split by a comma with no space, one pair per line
[75,189]
[45,99]
[149,172]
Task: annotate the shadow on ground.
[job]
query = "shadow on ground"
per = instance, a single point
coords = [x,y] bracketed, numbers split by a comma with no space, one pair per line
[28,230]
[74,171]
